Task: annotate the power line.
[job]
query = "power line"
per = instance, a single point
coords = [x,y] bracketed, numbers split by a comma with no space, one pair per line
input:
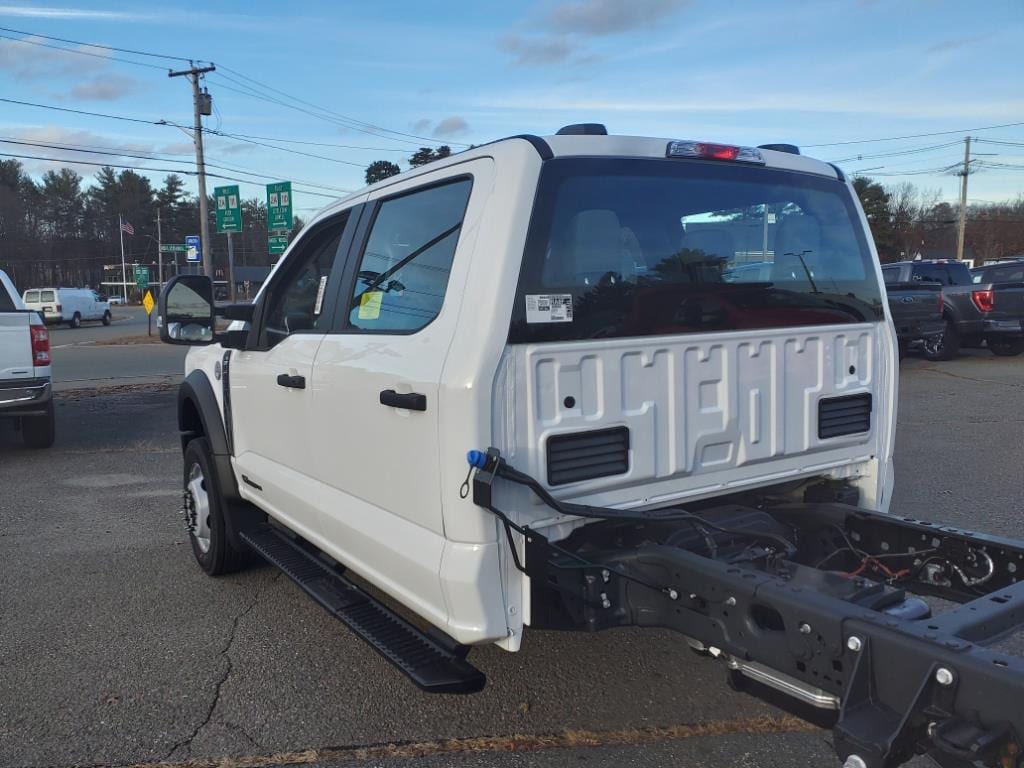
[82,53]
[331,112]
[291,151]
[915,135]
[94,45]
[914,151]
[311,143]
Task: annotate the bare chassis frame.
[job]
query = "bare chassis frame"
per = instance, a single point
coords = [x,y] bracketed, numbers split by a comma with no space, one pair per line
[906,687]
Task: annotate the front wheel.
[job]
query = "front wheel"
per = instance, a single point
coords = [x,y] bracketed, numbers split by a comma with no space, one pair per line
[40,431]
[204,513]
[1006,347]
[107,318]
[945,347]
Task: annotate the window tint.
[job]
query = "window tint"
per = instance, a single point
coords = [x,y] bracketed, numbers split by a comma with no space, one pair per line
[931,273]
[891,274]
[403,272]
[959,274]
[1008,274]
[6,300]
[47,296]
[630,247]
[31,296]
[296,302]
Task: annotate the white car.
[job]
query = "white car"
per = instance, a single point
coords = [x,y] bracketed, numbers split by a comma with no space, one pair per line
[68,305]
[512,389]
[25,390]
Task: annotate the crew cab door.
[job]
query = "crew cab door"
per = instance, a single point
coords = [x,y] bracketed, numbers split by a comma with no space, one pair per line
[271,382]
[377,381]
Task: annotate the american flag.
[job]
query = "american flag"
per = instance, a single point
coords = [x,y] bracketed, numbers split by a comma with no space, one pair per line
[126,227]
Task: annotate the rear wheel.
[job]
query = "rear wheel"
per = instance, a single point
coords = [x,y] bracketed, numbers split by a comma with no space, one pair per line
[1006,347]
[40,431]
[76,321]
[204,513]
[107,318]
[945,347]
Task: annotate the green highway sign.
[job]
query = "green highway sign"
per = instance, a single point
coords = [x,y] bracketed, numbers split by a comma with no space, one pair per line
[279,206]
[173,248]
[229,209]
[277,243]
[141,277]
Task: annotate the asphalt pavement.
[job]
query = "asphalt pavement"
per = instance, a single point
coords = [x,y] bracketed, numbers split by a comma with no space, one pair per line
[116,650]
[121,353]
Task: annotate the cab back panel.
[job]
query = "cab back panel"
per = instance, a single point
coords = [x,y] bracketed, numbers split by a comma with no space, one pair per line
[704,413]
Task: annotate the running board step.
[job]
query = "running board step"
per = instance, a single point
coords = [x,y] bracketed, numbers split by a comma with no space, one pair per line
[434,665]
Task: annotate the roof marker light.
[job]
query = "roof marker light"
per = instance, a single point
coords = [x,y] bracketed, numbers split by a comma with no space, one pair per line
[705,151]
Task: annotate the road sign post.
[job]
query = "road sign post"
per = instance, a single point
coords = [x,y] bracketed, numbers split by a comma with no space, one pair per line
[279,206]
[193,249]
[148,304]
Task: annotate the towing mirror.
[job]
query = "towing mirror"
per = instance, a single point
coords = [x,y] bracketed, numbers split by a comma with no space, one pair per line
[185,310]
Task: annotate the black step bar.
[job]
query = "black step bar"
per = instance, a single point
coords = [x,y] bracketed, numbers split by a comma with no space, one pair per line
[434,663]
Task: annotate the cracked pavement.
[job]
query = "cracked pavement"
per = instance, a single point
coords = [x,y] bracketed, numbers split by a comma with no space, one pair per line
[115,649]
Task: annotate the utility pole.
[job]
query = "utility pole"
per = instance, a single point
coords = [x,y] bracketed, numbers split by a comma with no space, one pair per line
[201,106]
[159,256]
[963,199]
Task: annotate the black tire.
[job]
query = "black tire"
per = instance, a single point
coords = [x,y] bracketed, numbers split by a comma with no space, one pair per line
[218,557]
[40,431]
[76,321]
[948,348]
[1004,347]
[107,318]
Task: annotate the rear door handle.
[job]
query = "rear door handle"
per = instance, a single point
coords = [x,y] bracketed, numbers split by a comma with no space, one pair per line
[413,401]
[294,382]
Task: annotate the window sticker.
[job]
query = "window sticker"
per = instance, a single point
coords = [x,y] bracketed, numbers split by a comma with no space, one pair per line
[369,305]
[549,308]
[320,295]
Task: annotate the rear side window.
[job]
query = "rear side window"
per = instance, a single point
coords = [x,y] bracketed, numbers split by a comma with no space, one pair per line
[931,273]
[1008,274]
[6,300]
[31,297]
[403,271]
[630,247]
[959,274]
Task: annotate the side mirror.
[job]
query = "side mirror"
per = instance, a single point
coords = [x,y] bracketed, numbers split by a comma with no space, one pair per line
[185,311]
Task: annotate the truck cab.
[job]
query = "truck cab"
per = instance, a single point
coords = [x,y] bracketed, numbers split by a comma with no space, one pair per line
[533,385]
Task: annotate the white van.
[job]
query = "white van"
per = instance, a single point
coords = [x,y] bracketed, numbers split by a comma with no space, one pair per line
[68,305]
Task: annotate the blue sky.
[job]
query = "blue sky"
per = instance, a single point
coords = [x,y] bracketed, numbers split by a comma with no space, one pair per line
[469,72]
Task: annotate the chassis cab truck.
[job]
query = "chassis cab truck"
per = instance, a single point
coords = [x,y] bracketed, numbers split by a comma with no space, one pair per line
[538,385]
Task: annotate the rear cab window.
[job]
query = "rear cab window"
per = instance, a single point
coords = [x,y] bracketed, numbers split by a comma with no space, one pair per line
[635,247]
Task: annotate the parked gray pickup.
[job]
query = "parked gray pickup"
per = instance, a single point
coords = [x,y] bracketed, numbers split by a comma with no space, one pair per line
[916,310]
[972,313]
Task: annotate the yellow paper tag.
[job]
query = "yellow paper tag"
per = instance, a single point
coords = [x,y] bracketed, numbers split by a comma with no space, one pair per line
[369,305]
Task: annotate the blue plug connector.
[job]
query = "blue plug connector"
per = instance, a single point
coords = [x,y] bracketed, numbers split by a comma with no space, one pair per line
[477,459]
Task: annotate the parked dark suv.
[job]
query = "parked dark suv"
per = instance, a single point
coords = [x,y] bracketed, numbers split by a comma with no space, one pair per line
[973,312]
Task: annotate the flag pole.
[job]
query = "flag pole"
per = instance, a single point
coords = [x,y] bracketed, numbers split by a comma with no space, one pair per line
[124,271]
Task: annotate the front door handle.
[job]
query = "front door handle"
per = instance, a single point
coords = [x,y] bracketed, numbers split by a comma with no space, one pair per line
[412,401]
[293,382]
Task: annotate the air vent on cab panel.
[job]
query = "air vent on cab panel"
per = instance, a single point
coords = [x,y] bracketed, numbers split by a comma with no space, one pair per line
[849,415]
[586,455]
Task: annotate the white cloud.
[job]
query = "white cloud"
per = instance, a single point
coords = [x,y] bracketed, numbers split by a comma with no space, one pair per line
[109,87]
[451,126]
[27,62]
[42,12]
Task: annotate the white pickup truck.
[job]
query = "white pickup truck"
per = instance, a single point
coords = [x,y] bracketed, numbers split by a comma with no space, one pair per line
[25,390]
[535,385]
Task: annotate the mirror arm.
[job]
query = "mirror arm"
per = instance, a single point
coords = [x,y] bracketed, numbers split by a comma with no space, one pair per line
[242,312]
[235,339]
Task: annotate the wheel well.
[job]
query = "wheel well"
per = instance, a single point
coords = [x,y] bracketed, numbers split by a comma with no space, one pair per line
[189,421]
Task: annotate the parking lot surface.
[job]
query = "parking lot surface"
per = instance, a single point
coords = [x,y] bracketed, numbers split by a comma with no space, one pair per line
[116,649]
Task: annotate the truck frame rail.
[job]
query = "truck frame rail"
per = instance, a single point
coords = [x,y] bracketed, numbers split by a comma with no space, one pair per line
[854,638]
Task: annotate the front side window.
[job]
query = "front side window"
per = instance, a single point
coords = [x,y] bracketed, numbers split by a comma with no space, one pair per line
[403,271]
[891,275]
[630,247]
[296,302]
